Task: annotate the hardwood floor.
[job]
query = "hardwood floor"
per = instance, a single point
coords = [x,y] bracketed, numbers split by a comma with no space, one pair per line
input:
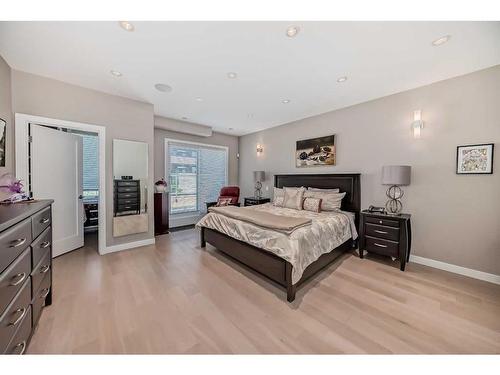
[174,297]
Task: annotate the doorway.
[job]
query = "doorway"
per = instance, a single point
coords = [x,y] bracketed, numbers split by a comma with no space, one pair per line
[65,161]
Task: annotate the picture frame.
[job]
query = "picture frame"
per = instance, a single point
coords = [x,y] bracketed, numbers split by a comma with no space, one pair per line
[475,159]
[3,130]
[313,152]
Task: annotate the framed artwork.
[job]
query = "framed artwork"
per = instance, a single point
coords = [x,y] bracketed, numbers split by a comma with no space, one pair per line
[315,152]
[475,159]
[3,126]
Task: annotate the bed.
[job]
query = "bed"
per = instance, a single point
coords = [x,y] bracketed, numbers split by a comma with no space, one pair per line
[278,268]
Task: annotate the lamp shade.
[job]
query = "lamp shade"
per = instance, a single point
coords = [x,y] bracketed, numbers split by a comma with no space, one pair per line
[259,176]
[396,175]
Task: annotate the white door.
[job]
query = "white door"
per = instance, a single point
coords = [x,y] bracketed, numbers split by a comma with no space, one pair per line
[56,173]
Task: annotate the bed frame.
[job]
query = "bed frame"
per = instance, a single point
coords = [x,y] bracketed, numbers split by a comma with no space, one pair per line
[274,267]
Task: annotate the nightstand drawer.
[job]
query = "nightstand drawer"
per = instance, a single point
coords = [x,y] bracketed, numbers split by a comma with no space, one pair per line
[383,247]
[382,221]
[380,231]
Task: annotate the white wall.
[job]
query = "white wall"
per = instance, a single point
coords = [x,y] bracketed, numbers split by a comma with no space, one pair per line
[456,218]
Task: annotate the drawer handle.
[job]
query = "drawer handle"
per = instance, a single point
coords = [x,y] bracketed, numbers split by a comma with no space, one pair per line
[20,345]
[18,242]
[23,311]
[45,220]
[379,231]
[21,276]
[380,221]
[44,269]
[379,245]
[45,244]
[45,294]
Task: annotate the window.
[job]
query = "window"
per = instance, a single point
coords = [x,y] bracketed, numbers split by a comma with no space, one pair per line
[90,166]
[196,173]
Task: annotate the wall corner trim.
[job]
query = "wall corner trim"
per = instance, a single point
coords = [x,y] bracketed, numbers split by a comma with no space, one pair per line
[490,277]
[126,246]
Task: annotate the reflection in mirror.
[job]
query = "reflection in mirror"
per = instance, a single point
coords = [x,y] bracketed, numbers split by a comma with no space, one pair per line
[130,174]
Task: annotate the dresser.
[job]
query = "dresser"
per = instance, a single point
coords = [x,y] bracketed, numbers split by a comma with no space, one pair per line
[252,201]
[386,235]
[127,197]
[161,213]
[25,271]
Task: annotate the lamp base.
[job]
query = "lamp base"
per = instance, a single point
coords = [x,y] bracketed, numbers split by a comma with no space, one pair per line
[394,206]
[258,187]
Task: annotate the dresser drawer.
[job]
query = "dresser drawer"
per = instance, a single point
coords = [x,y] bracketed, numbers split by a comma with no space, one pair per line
[13,278]
[129,201]
[382,221]
[381,246]
[40,246]
[19,342]
[380,231]
[126,195]
[40,221]
[127,189]
[38,301]
[13,241]
[14,315]
[39,271]
[127,183]
[128,207]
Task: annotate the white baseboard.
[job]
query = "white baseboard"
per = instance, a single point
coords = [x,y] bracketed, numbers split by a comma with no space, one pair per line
[492,278]
[128,245]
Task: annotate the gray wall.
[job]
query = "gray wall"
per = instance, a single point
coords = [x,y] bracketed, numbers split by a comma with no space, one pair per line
[6,114]
[123,119]
[456,218]
[215,139]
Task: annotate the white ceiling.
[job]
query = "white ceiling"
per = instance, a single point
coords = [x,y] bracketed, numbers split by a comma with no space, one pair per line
[379,58]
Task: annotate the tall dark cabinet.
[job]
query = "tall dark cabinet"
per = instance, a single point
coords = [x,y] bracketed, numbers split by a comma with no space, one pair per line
[161,213]
[127,197]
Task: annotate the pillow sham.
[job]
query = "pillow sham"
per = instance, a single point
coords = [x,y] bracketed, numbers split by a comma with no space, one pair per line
[278,201]
[293,198]
[312,204]
[329,201]
[324,190]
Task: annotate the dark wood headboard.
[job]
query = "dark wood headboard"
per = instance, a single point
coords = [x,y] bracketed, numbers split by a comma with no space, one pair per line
[346,182]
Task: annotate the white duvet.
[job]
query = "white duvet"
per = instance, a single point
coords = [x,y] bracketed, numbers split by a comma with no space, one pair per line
[302,247]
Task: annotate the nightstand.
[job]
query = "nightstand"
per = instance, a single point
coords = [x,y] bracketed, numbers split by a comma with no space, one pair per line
[386,235]
[252,201]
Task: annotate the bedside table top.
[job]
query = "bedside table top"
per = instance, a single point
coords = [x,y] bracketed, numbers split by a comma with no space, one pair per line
[386,216]
[258,199]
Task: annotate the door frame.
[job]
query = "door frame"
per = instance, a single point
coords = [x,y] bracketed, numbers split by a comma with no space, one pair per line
[21,150]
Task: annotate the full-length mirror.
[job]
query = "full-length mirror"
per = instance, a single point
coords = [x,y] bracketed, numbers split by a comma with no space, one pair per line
[130,175]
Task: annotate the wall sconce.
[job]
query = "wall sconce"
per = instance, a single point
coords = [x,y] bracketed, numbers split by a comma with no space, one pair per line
[417,125]
[259,149]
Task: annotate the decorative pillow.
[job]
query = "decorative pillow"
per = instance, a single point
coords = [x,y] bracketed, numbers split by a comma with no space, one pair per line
[293,198]
[324,190]
[329,201]
[223,202]
[278,201]
[312,204]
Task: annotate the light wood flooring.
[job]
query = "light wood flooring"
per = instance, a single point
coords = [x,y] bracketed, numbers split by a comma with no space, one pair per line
[174,297]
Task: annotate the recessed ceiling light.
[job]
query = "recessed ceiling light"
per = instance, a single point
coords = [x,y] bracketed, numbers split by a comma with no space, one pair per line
[292,31]
[127,26]
[116,73]
[199,99]
[342,79]
[441,40]
[231,129]
[163,87]
[232,75]
[285,101]
[184,118]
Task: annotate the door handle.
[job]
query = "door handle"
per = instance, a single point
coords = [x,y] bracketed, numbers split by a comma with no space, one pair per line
[80,196]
